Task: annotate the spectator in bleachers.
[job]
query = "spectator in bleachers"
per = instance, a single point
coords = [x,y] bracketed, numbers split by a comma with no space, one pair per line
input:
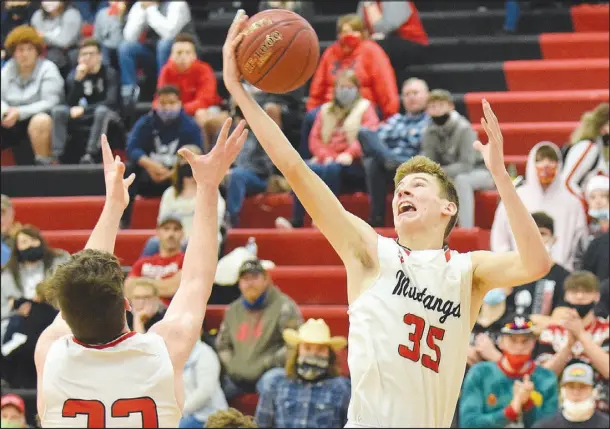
[179,200]
[597,256]
[148,35]
[59,23]
[353,50]
[153,144]
[249,174]
[108,30]
[398,29]
[89,8]
[31,261]
[545,294]
[10,227]
[512,392]
[13,411]
[230,418]
[146,306]
[334,144]
[92,101]
[483,345]
[544,191]
[203,394]
[310,392]
[597,197]
[197,84]
[588,155]
[512,11]
[14,14]
[448,140]
[165,267]
[396,141]
[249,342]
[31,86]
[577,401]
[578,334]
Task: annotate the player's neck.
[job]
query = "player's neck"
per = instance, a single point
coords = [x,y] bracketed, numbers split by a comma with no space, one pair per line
[421,241]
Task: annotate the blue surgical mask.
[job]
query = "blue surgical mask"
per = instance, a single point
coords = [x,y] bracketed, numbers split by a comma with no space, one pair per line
[167,115]
[600,214]
[346,96]
[495,297]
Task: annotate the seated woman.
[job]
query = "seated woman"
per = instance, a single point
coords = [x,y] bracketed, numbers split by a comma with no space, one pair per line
[334,144]
[179,200]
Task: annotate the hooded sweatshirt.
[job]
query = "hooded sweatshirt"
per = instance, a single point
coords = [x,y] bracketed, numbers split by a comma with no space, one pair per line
[556,201]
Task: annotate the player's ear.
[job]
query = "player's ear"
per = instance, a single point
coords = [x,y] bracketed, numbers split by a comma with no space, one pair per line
[449,208]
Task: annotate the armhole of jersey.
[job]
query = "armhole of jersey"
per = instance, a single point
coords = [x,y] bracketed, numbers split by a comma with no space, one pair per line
[381,262]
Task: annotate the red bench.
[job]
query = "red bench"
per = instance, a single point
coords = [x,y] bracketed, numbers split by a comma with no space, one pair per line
[521,137]
[556,46]
[586,18]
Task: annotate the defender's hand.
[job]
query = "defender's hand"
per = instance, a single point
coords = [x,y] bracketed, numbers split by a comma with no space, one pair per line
[114,169]
[230,72]
[493,151]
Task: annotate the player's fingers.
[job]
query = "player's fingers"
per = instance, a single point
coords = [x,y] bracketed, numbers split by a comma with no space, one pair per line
[120,169]
[129,180]
[478,146]
[187,154]
[224,133]
[237,131]
[106,152]
[236,24]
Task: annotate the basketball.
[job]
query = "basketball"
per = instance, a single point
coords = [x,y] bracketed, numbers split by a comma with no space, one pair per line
[279,52]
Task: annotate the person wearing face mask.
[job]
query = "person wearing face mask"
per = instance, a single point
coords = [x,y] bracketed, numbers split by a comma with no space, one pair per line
[545,294]
[598,203]
[153,143]
[334,142]
[352,50]
[577,401]
[512,392]
[576,334]
[544,191]
[31,261]
[589,152]
[249,341]
[448,140]
[309,392]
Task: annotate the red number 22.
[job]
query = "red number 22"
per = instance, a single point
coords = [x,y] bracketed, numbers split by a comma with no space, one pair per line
[415,337]
[96,412]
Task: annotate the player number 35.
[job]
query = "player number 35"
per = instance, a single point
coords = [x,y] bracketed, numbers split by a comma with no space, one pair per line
[415,337]
[96,411]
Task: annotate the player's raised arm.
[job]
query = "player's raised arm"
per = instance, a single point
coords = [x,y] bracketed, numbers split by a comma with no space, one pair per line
[181,324]
[531,261]
[353,239]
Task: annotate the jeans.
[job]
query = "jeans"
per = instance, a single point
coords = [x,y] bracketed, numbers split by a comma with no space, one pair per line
[130,53]
[242,183]
[336,177]
[466,184]
[306,127]
[189,421]
[232,389]
[152,246]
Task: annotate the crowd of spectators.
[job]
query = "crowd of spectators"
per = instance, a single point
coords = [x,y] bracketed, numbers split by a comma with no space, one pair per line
[71,71]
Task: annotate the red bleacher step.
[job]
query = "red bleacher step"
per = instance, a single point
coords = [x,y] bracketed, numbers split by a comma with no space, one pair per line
[557,75]
[588,17]
[557,46]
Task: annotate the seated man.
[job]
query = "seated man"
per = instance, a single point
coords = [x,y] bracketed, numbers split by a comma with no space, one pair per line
[93,100]
[165,268]
[513,390]
[448,140]
[146,307]
[311,372]
[396,141]
[249,341]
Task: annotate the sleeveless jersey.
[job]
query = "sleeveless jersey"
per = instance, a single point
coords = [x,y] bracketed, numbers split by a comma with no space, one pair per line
[408,338]
[127,383]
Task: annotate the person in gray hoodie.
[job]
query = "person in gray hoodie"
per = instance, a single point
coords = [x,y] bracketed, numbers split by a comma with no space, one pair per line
[448,140]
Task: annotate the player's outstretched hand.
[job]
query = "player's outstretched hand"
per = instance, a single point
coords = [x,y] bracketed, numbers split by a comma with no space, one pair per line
[230,72]
[211,168]
[493,151]
[116,186]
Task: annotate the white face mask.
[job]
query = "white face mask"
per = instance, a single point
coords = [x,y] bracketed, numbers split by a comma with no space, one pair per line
[50,6]
[578,411]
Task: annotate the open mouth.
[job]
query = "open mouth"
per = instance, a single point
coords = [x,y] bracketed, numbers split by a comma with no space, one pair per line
[406,208]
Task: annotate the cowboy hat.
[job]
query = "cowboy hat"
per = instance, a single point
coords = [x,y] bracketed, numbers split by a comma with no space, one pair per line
[314,331]
[227,270]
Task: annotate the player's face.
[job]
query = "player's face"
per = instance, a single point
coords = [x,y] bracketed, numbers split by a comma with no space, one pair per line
[519,344]
[580,296]
[417,203]
[252,285]
[598,199]
[415,97]
[318,350]
[170,234]
[11,414]
[577,392]
[183,54]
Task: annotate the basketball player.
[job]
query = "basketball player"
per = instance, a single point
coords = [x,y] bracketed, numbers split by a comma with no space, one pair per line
[92,371]
[412,301]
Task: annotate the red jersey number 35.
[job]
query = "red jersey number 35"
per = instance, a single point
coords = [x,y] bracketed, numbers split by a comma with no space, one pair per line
[416,336]
[96,411]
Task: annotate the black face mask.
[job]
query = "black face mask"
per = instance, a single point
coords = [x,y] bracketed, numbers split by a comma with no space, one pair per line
[581,309]
[606,139]
[185,170]
[440,120]
[31,254]
[312,368]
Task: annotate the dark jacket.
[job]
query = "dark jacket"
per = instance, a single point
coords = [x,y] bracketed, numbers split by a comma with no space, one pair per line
[254,158]
[101,88]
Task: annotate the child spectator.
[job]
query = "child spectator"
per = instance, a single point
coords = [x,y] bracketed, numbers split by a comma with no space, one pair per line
[25,109]
[598,201]
[108,30]
[93,100]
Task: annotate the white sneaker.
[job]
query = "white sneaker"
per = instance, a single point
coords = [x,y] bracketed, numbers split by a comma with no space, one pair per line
[282,223]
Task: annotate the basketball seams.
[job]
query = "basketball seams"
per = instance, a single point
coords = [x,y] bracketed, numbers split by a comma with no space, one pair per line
[309,51]
[270,66]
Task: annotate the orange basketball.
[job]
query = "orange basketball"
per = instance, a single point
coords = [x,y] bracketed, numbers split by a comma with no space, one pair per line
[279,52]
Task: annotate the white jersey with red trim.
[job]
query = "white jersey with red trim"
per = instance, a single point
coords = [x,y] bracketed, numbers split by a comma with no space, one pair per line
[408,338]
[584,160]
[127,383]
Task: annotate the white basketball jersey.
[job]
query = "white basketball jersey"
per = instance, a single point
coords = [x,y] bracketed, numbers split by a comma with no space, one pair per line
[408,338]
[128,383]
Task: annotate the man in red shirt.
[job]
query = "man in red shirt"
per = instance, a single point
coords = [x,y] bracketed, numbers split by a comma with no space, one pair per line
[197,84]
[165,267]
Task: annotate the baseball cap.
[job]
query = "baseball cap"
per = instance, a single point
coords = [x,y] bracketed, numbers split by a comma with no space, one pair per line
[6,202]
[517,324]
[14,400]
[578,373]
[171,217]
[251,266]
